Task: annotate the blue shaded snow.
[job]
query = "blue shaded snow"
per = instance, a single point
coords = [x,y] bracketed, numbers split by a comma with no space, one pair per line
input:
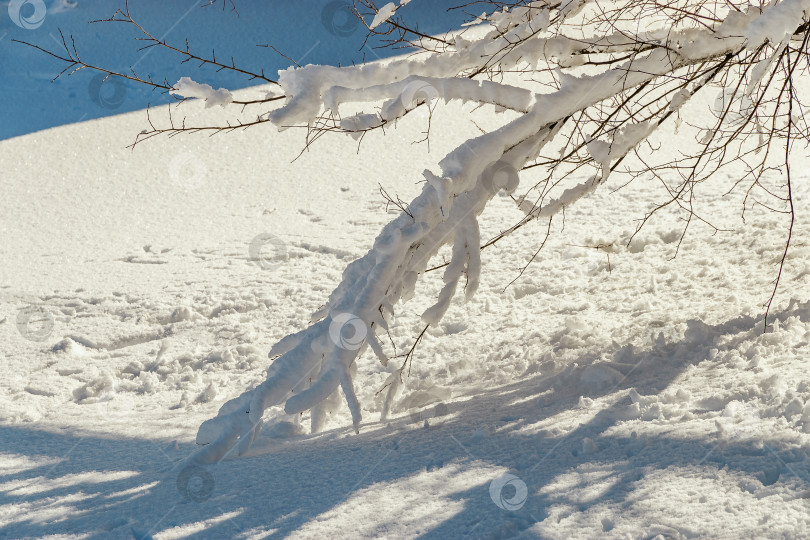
[308,32]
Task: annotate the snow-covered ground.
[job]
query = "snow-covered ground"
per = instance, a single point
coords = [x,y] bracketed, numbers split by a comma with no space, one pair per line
[628,394]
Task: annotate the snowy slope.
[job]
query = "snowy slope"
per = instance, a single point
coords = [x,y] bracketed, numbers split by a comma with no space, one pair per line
[635,396]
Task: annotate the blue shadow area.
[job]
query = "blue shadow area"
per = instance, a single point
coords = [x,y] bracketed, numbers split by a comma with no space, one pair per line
[105,488]
[307,32]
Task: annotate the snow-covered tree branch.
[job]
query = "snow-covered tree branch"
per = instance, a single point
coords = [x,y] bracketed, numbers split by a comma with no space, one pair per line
[662,69]
[583,83]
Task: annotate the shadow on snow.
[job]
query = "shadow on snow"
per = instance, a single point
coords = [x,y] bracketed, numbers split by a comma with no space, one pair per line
[126,488]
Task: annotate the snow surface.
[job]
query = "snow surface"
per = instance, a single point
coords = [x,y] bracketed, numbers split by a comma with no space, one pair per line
[611,391]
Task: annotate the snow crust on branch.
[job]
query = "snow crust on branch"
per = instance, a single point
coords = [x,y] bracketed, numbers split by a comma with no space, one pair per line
[316,364]
[187,88]
[777,22]
[628,138]
[383,15]
[404,95]
[307,85]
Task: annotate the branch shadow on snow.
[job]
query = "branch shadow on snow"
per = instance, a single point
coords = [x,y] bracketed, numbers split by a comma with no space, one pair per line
[436,479]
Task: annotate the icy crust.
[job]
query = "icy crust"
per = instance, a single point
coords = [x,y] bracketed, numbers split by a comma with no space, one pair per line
[312,366]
